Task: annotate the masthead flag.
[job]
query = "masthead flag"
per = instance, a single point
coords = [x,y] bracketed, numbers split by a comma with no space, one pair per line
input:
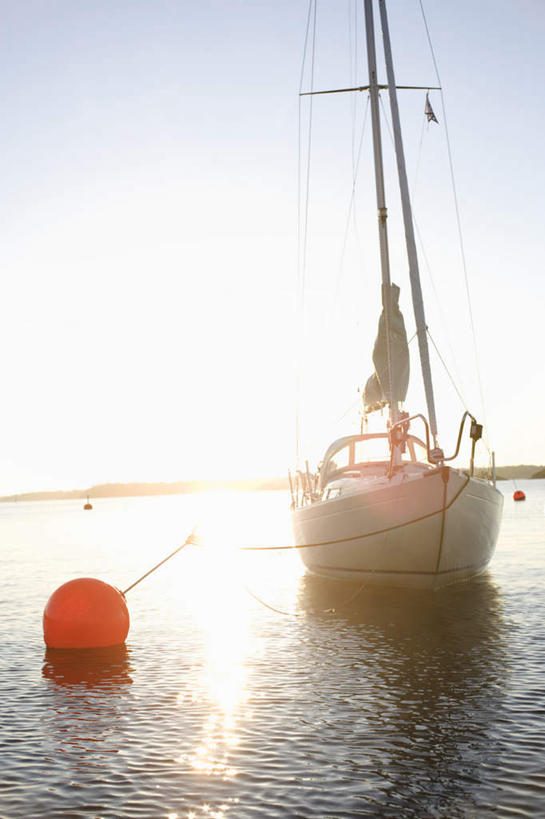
[429,110]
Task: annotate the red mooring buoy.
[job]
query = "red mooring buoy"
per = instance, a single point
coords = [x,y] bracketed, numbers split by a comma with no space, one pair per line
[85,613]
[519,495]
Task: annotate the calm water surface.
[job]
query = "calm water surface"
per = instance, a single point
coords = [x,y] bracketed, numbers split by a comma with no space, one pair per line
[392,704]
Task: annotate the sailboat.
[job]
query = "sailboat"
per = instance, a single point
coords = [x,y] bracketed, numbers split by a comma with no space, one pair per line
[408,518]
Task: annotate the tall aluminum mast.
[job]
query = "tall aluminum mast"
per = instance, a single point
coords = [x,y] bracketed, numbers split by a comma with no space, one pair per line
[381,199]
[416,289]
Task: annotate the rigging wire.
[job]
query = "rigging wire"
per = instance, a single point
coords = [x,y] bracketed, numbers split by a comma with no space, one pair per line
[432,281]
[459,224]
[351,207]
[438,302]
[304,190]
[352,406]
[417,168]
[358,400]
[302,218]
[452,381]
[356,146]
[425,256]
[354,103]
[353,63]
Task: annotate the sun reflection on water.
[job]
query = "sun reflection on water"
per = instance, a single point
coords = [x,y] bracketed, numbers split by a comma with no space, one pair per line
[207,584]
[220,683]
[223,612]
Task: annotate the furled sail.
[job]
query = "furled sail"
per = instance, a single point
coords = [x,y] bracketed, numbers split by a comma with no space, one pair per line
[376,393]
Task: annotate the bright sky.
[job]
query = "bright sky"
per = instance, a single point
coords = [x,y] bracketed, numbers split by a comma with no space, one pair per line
[149,222]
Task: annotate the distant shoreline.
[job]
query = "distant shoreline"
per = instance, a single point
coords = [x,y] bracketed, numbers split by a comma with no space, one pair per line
[138,489]
[509,473]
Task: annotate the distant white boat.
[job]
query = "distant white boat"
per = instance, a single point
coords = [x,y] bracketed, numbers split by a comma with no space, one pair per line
[406,518]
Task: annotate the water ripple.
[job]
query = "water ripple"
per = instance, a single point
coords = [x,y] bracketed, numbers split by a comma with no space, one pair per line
[392,704]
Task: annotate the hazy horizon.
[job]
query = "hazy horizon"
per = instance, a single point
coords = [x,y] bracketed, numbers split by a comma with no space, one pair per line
[249,481]
[149,205]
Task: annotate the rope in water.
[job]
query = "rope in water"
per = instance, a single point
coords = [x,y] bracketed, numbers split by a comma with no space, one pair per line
[331,610]
[268,606]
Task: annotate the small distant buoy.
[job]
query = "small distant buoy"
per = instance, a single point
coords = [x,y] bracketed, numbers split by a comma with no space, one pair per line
[85,613]
[519,495]
[88,505]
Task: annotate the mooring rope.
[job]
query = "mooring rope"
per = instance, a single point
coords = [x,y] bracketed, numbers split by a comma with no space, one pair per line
[301,613]
[268,606]
[189,539]
[360,536]
[195,540]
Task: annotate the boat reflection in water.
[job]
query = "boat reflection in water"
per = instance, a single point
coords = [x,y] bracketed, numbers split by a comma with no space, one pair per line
[419,679]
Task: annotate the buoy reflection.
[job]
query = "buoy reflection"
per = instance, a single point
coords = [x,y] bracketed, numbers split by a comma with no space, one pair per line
[106,668]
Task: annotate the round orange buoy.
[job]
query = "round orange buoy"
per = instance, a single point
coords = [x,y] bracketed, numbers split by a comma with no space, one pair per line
[519,495]
[85,613]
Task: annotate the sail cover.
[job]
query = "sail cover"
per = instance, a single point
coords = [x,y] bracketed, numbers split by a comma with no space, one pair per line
[376,393]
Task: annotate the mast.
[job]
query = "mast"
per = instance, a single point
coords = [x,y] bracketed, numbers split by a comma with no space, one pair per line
[381,199]
[416,289]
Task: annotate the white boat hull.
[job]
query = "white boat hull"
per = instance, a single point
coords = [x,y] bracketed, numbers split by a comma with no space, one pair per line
[426,532]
